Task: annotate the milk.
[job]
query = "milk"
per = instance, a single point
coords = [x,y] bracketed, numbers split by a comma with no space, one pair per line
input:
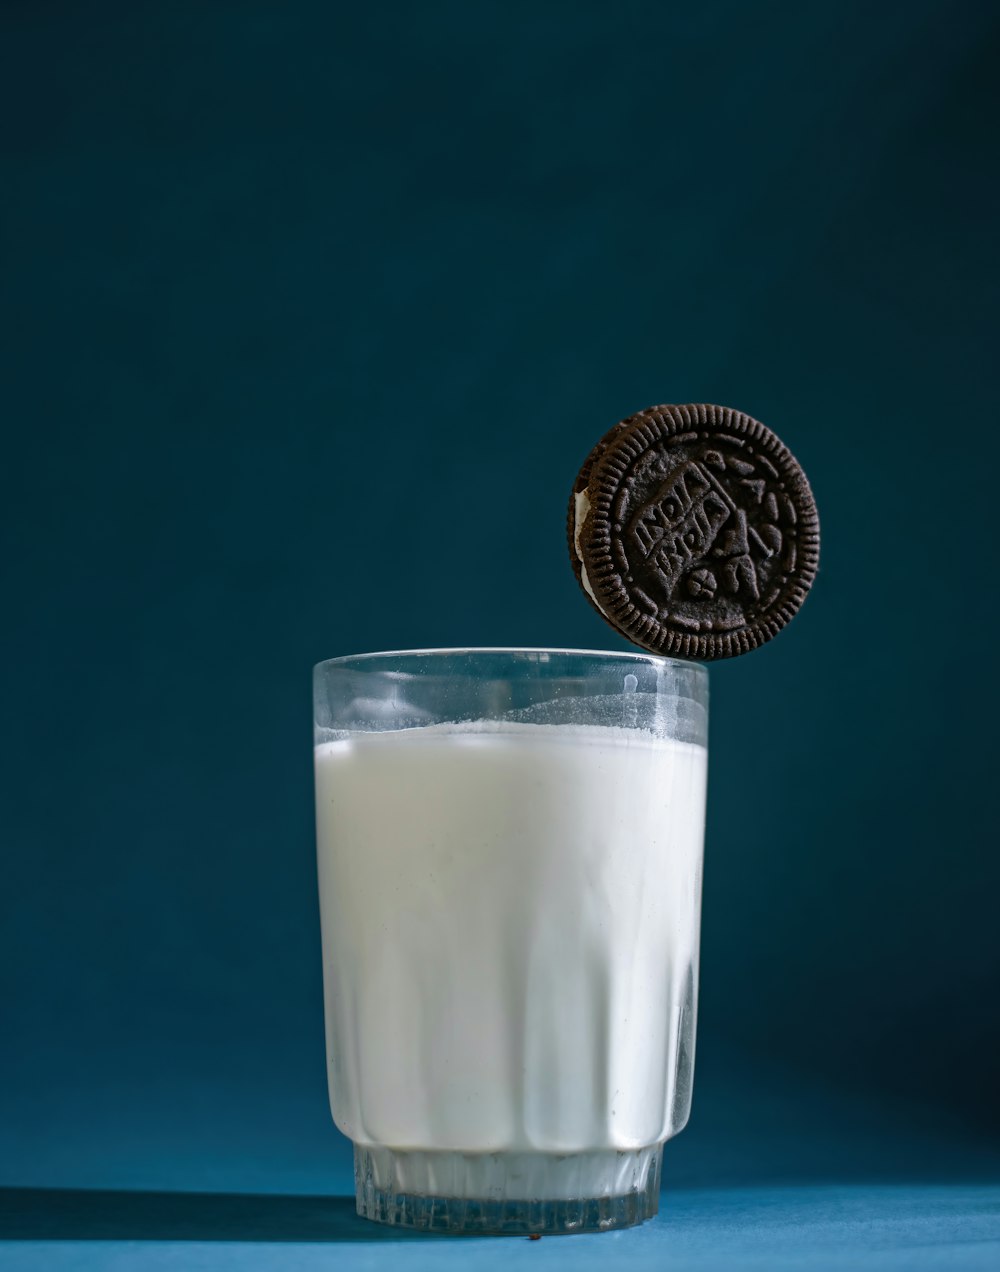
[510,935]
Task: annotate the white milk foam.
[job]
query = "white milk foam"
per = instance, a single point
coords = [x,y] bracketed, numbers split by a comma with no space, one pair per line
[510,935]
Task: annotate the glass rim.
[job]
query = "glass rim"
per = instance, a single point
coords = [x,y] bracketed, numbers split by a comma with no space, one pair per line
[625,655]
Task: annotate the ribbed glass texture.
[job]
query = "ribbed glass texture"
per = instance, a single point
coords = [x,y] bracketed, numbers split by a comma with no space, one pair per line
[508,1192]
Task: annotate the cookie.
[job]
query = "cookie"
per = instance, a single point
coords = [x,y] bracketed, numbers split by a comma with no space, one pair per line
[693,531]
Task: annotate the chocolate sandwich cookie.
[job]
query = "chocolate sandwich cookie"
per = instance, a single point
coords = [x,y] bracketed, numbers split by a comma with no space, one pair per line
[693,531]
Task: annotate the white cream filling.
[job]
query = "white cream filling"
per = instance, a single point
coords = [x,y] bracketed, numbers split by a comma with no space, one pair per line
[582,511]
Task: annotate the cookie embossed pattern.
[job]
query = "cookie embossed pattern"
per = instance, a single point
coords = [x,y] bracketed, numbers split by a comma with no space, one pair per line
[693,531]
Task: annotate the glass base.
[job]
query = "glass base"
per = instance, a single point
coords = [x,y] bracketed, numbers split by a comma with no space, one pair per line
[511,1193]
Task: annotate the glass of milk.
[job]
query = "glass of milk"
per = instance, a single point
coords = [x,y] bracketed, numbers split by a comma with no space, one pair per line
[510,860]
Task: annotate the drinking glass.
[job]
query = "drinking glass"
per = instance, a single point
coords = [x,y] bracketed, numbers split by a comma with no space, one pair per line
[510,858]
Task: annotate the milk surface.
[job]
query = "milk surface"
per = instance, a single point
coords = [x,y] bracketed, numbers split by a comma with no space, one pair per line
[510,935]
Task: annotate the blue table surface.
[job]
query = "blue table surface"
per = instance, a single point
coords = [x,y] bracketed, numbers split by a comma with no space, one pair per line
[817,1226]
[765,1177]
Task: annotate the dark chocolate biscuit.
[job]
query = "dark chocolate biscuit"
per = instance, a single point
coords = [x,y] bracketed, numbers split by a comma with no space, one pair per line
[693,531]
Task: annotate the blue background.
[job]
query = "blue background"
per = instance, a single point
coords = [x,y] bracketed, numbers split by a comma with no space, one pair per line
[311,313]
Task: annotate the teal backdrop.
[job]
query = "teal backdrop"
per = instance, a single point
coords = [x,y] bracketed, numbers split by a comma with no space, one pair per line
[311,313]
